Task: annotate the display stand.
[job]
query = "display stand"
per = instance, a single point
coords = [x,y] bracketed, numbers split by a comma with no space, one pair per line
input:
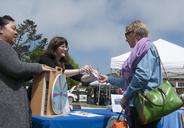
[41,104]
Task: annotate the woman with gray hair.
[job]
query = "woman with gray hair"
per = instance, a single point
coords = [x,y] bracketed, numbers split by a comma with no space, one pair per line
[141,72]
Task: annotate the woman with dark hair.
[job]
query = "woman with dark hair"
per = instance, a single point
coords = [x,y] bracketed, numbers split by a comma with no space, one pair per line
[57,55]
[14,108]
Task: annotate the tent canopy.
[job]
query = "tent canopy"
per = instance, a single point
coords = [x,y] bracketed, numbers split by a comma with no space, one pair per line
[172,57]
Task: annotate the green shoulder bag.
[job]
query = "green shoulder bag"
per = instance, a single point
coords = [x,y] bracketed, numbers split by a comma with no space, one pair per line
[157,103]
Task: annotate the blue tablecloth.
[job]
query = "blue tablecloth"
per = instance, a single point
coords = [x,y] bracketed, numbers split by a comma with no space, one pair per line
[73,121]
[173,120]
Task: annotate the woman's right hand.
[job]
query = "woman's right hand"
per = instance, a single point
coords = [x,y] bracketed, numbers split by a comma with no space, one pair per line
[86,68]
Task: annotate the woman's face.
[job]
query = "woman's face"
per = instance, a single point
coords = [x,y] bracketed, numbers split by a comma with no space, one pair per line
[131,39]
[9,33]
[62,50]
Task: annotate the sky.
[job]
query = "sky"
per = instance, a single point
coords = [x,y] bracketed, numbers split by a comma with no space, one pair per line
[95,28]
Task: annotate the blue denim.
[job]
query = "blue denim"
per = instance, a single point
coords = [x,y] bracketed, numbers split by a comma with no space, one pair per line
[147,75]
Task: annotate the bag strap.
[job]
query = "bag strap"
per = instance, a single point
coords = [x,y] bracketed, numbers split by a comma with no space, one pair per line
[163,98]
[162,65]
[166,76]
[119,115]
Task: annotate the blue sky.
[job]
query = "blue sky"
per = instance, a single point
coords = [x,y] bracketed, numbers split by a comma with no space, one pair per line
[95,28]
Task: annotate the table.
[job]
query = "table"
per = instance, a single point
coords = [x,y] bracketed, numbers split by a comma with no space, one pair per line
[173,120]
[74,121]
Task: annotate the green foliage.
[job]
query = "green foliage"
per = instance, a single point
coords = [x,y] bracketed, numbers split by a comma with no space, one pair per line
[72,62]
[70,81]
[29,44]
[38,50]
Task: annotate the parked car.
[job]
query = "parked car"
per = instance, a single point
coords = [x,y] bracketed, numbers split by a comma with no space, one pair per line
[78,94]
[71,97]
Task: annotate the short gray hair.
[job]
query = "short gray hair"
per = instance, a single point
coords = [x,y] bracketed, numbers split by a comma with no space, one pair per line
[138,27]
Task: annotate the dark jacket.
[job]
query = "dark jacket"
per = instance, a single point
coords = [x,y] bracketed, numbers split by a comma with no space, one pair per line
[14,108]
[45,59]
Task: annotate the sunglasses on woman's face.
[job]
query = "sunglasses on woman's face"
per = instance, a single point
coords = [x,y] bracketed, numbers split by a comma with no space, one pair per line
[127,33]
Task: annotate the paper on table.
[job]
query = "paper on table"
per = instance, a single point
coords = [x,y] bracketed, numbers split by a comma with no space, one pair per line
[85,114]
[115,101]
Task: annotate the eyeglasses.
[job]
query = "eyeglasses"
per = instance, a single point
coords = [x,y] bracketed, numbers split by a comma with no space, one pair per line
[64,47]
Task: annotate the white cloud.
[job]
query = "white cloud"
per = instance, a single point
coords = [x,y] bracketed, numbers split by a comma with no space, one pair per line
[86,23]
[98,24]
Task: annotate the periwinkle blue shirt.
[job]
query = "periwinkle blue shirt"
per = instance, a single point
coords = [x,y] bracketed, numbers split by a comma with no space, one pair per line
[147,75]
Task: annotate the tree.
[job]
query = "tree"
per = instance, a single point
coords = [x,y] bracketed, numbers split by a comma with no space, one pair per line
[29,44]
[70,81]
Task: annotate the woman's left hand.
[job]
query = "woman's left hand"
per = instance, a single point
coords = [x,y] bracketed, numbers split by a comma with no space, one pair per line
[102,78]
[47,68]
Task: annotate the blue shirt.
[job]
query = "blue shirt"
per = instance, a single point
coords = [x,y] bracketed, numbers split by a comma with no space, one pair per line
[147,75]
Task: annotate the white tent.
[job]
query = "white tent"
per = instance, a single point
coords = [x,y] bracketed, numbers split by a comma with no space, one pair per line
[172,57]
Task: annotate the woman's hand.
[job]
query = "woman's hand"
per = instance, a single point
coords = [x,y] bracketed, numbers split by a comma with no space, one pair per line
[86,68]
[124,102]
[47,68]
[102,78]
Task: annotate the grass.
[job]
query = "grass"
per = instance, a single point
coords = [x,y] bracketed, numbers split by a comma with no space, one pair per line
[83,104]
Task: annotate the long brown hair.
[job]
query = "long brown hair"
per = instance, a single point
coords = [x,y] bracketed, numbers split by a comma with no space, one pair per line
[52,48]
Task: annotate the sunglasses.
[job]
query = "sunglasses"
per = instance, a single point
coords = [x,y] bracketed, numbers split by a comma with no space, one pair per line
[127,33]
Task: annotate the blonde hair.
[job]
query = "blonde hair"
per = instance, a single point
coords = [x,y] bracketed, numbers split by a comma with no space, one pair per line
[138,28]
